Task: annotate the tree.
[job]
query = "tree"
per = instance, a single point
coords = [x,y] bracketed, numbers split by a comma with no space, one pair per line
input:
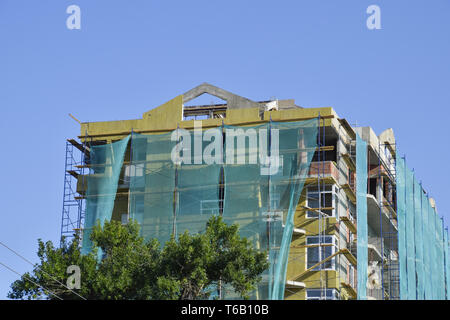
[190,267]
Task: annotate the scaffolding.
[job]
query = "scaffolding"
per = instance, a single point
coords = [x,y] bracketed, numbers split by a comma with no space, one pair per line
[390,275]
[344,255]
[73,210]
[167,197]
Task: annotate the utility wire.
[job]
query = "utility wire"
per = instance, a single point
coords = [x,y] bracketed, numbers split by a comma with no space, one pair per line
[19,255]
[45,289]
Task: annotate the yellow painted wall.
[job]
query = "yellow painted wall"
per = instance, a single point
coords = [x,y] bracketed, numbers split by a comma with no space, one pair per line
[168,117]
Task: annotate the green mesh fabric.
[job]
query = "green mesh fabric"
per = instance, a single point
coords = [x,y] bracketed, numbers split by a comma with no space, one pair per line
[422,246]
[432,248]
[427,263]
[262,198]
[288,186]
[106,163]
[447,264]
[401,216]
[246,191]
[418,239]
[152,185]
[410,244]
[198,189]
[168,197]
[440,284]
[361,216]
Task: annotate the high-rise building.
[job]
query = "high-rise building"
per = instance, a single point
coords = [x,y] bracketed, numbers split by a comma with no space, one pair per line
[336,208]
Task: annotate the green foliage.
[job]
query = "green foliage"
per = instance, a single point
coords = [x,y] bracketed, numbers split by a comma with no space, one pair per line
[190,267]
[54,261]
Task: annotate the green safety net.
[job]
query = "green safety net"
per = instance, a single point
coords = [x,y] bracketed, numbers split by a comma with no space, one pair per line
[447,264]
[172,191]
[361,216]
[297,146]
[422,245]
[401,217]
[263,198]
[418,239]
[246,193]
[410,244]
[252,176]
[152,185]
[426,245]
[440,285]
[433,253]
[106,163]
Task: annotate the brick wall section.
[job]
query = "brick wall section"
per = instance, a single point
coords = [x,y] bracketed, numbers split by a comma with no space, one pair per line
[325,168]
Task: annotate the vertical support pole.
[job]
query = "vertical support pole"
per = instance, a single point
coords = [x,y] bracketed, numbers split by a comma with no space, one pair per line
[81,212]
[131,166]
[319,192]
[268,185]
[222,175]
[64,213]
[269,207]
[379,193]
[324,217]
[175,194]
[222,192]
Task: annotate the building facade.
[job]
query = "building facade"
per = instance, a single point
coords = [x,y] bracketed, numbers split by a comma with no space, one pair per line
[335,214]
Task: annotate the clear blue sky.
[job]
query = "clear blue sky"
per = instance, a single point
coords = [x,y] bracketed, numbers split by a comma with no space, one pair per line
[131,56]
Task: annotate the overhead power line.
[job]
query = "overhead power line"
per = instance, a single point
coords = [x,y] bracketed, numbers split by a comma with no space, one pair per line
[42,287]
[25,259]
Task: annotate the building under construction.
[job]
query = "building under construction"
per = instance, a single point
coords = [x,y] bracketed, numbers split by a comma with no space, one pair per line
[336,208]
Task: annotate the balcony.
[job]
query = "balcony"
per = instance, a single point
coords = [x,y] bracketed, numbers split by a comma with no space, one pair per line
[373,248]
[389,208]
[326,170]
[388,224]
[380,171]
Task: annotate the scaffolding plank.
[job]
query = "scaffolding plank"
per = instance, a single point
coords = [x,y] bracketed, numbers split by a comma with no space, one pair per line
[349,192]
[351,291]
[295,284]
[319,263]
[314,245]
[73,173]
[326,180]
[349,161]
[349,223]
[79,146]
[98,165]
[326,148]
[350,257]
